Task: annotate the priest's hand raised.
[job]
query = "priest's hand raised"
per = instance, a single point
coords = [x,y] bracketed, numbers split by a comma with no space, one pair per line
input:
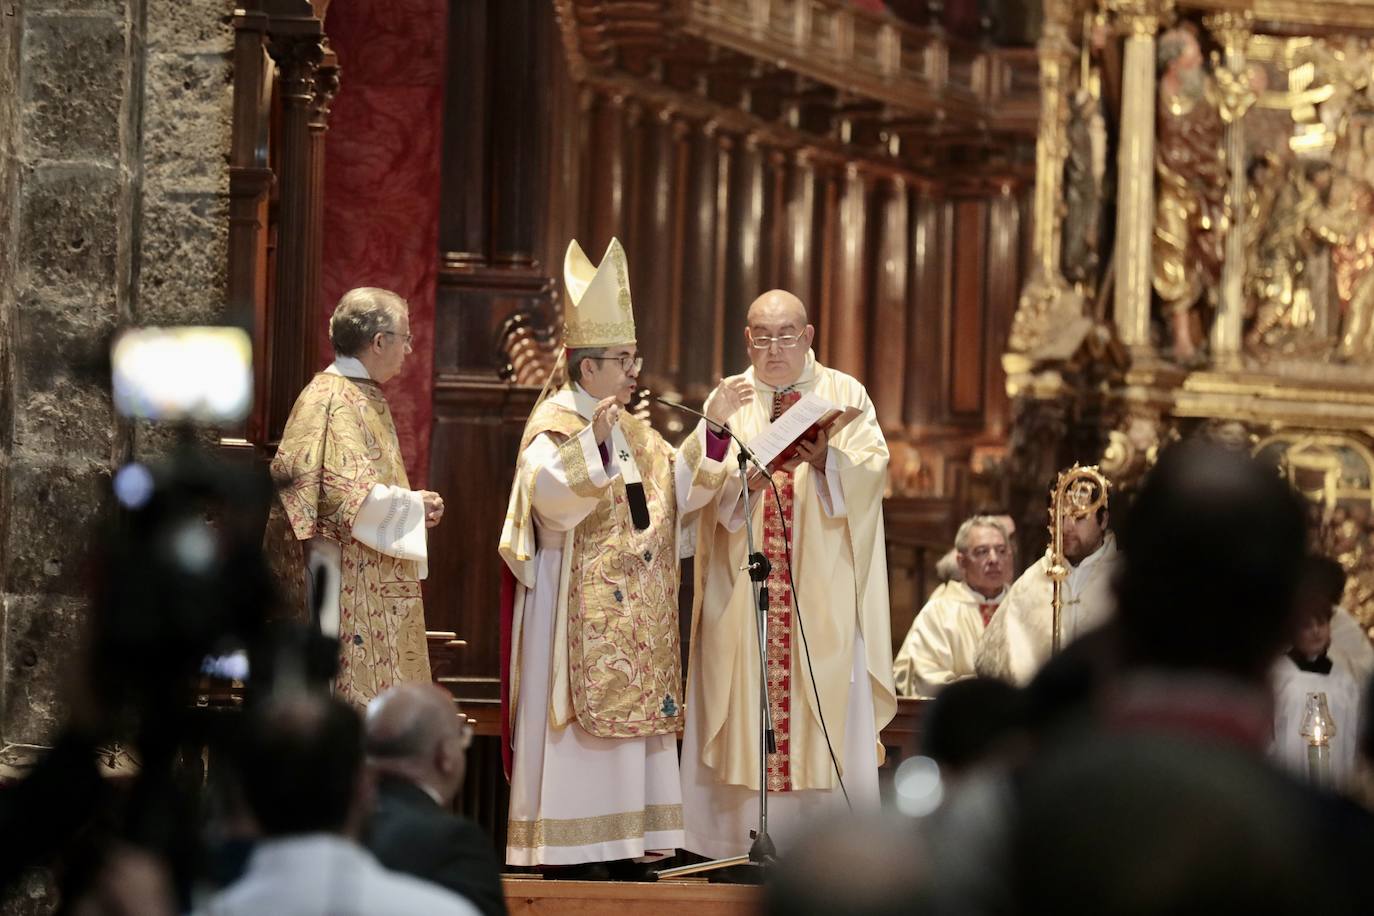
[730,395]
[434,507]
[605,416]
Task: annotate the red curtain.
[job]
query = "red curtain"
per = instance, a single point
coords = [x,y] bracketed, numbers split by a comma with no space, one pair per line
[381,203]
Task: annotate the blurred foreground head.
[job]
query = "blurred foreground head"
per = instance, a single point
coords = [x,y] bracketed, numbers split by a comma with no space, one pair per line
[300,764]
[1214,546]
[867,865]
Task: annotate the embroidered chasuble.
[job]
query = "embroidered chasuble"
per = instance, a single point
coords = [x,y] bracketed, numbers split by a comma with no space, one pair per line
[1018,638]
[942,643]
[338,448]
[595,680]
[834,517]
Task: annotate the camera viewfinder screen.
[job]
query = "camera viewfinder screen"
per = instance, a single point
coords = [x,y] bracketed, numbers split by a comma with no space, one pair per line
[201,374]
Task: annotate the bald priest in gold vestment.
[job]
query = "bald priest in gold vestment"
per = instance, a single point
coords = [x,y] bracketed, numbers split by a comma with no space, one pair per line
[830,528]
[593,685]
[342,486]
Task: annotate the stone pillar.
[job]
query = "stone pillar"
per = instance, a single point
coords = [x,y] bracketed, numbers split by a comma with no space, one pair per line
[67,253]
[1232,30]
[1135,200]
[113,193]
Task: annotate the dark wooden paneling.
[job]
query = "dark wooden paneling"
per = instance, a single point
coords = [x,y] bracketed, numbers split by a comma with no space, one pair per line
[743,271]
[473,447]
[847,329]
[966,342]
[925,371]
[700,292]
[521,43]
[887,351]
[467,136]
[1003,284]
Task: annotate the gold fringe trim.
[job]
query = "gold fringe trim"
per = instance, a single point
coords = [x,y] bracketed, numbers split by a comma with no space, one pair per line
[585,831]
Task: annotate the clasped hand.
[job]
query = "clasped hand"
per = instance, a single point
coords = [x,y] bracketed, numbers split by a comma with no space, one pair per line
[434,507]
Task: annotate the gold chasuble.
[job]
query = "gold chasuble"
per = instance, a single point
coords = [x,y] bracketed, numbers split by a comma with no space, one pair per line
[834,519]
[338,444]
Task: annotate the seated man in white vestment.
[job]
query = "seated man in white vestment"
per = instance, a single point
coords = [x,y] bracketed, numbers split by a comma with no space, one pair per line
[940,646]
[830,532]
[591,539]
[1018,639]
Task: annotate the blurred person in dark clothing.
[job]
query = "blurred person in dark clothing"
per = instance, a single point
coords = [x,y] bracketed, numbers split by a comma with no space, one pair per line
[416,745]
[971,722]
[300,763]
[867,865]
[1165,803]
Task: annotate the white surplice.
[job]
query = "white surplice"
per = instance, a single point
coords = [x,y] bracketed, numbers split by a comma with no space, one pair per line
[572,790]
[1291,687]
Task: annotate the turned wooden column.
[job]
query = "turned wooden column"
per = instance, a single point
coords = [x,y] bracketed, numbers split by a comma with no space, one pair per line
[326,87]
[290,332]
[887,331]
[250,188]
[846,325]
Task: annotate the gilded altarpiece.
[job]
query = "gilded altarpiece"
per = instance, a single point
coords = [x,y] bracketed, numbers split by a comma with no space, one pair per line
[1204,250]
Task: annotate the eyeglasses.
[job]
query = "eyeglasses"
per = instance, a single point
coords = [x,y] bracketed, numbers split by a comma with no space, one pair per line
[627,363]
[409,338]
[988,550]
[785,342]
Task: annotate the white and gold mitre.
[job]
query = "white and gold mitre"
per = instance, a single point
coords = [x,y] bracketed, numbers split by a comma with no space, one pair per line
[598,313]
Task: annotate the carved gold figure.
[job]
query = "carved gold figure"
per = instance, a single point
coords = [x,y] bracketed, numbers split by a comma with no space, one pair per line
[1192,178]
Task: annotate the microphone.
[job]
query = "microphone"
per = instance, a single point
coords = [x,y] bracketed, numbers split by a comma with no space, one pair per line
[720,428]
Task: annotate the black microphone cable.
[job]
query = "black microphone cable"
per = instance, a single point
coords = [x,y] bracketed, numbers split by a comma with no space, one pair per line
[791,581]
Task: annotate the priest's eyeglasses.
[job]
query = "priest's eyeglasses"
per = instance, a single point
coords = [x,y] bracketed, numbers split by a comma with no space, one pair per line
[785,342]
[409,338]
[627,363]
[988,550]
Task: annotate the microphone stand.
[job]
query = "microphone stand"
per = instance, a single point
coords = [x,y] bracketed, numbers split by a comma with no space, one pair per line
[762,852]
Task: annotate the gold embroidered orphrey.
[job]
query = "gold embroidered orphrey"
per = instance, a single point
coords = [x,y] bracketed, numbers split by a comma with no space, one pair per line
[624,655]
[586,831]
[339,442]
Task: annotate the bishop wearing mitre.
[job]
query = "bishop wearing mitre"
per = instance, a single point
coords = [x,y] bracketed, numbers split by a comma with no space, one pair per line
[829,651]
[591,543]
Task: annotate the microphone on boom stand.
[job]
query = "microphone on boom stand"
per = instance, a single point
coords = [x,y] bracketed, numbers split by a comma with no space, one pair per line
[762,852]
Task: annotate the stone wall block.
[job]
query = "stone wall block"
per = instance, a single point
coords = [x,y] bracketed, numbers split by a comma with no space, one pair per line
[57,338]
[185,259]
[116,9]
[202,26]
[64,409]
[69,230]
[75,69]
[43,635]
[55,513]
[187,122]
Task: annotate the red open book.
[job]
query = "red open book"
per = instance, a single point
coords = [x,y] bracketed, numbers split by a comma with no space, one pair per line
[803,421]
